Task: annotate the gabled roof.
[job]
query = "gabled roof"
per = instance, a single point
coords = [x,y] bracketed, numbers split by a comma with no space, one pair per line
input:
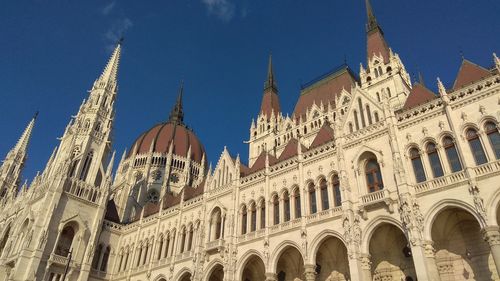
[419,94]
[260,163]
[111,212]
[324,89]
[324,135]
[290,150]
[468,73]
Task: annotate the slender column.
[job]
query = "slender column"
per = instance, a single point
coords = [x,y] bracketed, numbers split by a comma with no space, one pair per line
[430,255]
[271,276]
[366,267]
[492,236]
[223,221]
[420,262]
[355,270]
[310,272]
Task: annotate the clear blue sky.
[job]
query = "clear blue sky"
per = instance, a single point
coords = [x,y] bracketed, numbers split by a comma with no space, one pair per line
[52,51]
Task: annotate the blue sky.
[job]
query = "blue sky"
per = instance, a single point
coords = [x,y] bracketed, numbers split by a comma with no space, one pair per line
[52,51]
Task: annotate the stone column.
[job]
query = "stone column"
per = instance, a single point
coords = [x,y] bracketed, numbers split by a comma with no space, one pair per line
[492,235]
[310,272]
[366,267]
[418,253]
[271,276]
[355,269]
[430,255]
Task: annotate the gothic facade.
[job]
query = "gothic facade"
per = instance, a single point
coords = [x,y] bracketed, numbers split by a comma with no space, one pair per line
[373,177]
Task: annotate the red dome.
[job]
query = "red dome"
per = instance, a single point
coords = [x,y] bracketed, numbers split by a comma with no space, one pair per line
[161,137]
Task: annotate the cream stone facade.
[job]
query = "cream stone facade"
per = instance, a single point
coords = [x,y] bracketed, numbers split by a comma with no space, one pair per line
[373,177]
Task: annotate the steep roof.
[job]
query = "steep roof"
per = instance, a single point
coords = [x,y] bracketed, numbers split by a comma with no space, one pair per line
[419,94]
[290,150]
[468,73]
[377,45]
[324,135]
[270,103]
[324,89]
[260,163]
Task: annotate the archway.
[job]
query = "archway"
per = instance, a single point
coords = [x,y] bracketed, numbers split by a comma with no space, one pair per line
[461,252]
[217,273]
[185,277]
[290,265]
[332,263]
[254,269]
[391,254]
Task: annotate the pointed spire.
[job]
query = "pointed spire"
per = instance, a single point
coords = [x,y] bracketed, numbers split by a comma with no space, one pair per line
[177,114]
[22,143]
[110,72]
[441,88]
[372,21]
[270,82]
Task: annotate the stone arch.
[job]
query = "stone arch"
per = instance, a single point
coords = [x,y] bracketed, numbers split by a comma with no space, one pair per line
[278,251]
[426,140]
[256,267]
[430,216]
[319,178]
[372,226]
[185,274]
[493,208]
[288,261]
[215,271]
[487,118]
[364,149]
[330,257]
[160,277]
[320,238]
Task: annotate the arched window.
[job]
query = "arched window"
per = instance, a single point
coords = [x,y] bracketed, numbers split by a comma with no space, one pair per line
[4,240]
[276,209]
[416,162]
[160,247]
[356,121]
[361,115]
[375,114]
[253,217]
[380,70]
[183,240]
[337,197]
[476,147]
[286,206]
[262,214]
[350,128]
[217,219]
[244,220]
[86,166]
[97,256]
[190,238]
[433,155]
[369,114]
[312,198]
[451,154]
[373,176]
[323,187]
[167,245]
[105,259]
[494,137]
[376,72]
[65,240]
[296,196]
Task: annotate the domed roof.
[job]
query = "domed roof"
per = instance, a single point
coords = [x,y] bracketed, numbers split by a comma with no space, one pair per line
[161,136]
[175,132]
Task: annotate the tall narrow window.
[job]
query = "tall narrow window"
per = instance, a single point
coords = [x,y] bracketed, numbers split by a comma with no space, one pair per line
[437,169]
[350,128]
[369,114]
[160,246]
[253,213]
[218,224]
[276,209]
[262,214]
[312,199]
[416,162]
[105,259]
[296,196]
[451,154]
[183,240]
[388,92]
[86,166]
[244,220]
[356,121]
[337,197]
[65,241]
[361,114]
[373,176]
[286,206]
[190,239]
[376,116]
[97,256]
[324,194]
[476,146]
[494,137]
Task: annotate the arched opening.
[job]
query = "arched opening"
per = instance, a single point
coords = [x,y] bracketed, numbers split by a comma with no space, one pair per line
[494,137]
[372,172]
[254,269]
[65,240]
[276,209]
[390,254]
[185,277]
[337,196]
[452,154]
[323,187]
[312,198]
[460,247]
[286,206]
[86,166]
[332,262]
[290,265]
[215,224]
[416,162]
[434,160]
[244,219]
[217,273]
[253,217]
[5,237]
[476,146]
[296,202]
[262,204]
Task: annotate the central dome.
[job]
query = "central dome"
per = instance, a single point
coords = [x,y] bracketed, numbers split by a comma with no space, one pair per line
[163,135]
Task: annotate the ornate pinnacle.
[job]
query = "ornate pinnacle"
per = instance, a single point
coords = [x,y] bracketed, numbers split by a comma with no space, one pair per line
[177,114]
[270,83]
[372,21]
[441,88]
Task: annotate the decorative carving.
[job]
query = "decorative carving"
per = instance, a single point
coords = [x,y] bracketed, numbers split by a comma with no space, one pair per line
[478,201]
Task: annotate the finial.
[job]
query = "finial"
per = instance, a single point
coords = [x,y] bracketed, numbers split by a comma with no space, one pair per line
[270,83]
[372,21]
[177,114]
[441,88]
[35,115]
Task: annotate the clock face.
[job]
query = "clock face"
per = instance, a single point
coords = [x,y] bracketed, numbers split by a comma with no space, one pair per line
[174,178]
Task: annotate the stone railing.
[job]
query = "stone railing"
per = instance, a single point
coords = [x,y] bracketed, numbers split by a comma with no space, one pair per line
[214,245]
[57,259]
[487,168]
[440,182]
[375,197]
[82,190]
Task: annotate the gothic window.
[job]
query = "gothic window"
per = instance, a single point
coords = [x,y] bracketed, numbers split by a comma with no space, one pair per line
[388,92]
[190,239]
[378,96]
[65,240]
[244,220]
[369,114]
[183,240]
[380,70]
[323,187]
[139,250]
[476,146]
[4,240]
[434,159]
[167,246]
[376,116]
[494,137]
[160,247]
[312,198]
[416,162]
[296,199]
[86,166]
[276,209]
[337,197]
[262,214]
[376,72]
[389,69]
[356,121]
[253,218]
[373,176]
[350,128]
[368,79]
[72,170]
[286,206]
[97,256]
[361,114]
[105,259]
[451,154]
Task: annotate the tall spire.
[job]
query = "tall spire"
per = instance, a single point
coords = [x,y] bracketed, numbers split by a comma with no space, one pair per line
[270,83]
[110,72]
[177,114]
[372,21]
[22,143]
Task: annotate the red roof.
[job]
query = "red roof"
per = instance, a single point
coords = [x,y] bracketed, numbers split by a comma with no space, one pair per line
[270,103]
[260,163]
[376,45]
[325,90]
[290,150]
[419,94]
[169,200]
[468,73]
[191,192]
[324,135]
[161,137]
[151,209]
